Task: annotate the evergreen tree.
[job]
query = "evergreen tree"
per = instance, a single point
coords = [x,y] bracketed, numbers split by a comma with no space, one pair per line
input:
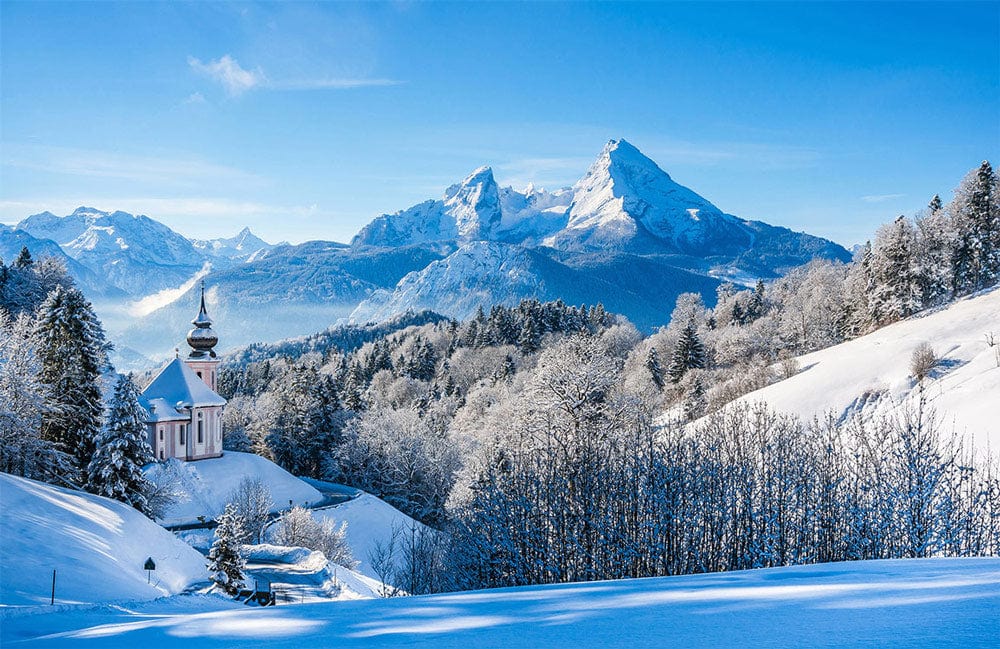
[225,558]
[529,341]
[756,306]
[689,353]
[896,288]
[654,367]
[122,450]
[72,352]
[23,260]
[976,217]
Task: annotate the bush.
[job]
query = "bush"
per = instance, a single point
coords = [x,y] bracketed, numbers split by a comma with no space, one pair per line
[922,361]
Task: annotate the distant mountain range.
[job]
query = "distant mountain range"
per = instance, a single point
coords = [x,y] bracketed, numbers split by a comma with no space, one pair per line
[626,235]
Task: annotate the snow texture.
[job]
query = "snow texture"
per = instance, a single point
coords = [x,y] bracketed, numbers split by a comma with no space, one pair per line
[872,373]
[96,545]
[207,485]
[901,603]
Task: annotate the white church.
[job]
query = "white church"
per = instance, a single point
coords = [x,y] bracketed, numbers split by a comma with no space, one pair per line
[184,411]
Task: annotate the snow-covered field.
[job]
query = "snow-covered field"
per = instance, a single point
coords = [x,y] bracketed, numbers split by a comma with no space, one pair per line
[208,484]
[901,603]
[97,547]
[964,390]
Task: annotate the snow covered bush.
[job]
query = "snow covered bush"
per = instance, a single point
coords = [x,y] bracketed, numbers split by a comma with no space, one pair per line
[299,528]
[252,502]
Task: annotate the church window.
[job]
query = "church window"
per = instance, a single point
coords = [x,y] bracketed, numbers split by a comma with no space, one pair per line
[201,437]
[180,436]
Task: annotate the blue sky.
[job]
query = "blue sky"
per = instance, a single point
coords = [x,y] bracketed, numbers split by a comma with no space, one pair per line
[305,121]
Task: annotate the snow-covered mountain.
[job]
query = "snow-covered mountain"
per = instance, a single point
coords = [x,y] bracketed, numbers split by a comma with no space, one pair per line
[240,247]
[625,227]
[476,209]
[482,273]
[626,235]
[871,374]
[13,240]
[624,203]
[133,253]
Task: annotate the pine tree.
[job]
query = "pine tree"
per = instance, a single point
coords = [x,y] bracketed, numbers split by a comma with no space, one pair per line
[756,306]
[225,558]
[976,217]
[115,470]
[24,259]
[529,341]
[72,352]
[654,367]
[896,288]
[689,353]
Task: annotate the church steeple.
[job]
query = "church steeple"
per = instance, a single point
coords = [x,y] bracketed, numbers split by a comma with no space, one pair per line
[202,339]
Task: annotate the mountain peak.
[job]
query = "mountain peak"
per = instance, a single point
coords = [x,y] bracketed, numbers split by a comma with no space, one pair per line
[475,204]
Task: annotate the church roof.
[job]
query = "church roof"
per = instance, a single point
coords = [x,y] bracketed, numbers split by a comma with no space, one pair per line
[174,388]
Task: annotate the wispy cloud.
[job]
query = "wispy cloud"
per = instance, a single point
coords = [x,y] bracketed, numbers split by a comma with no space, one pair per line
[137,168]
[331,84]
[237,80]
[227,71]
[881,198]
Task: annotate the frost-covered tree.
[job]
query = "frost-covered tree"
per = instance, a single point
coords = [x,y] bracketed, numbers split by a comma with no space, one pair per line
[71,348]
[23,400]
[299,527]
[225,558]
[252,503]
[976,217]
[688,354]
[121,450]
[896,288]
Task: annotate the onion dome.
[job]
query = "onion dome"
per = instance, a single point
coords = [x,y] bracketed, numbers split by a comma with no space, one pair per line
[202,339]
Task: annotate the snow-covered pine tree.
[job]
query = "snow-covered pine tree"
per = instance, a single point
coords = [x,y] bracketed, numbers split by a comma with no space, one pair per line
[976,217]
[654,367]
[935,240]
[689,353]
[115,470]
[896,291]
[24,259]
[529,339]
[71,348]
[225,558]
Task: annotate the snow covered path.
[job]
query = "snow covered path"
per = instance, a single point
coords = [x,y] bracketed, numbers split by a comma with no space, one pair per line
[909,603]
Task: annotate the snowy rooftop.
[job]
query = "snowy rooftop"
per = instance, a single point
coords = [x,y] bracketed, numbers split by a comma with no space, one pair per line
[177,386]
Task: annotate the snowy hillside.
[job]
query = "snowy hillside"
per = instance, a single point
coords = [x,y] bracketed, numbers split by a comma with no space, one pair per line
[370,521]
[97,547]
[207,485]
[872,373]
[905,603]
